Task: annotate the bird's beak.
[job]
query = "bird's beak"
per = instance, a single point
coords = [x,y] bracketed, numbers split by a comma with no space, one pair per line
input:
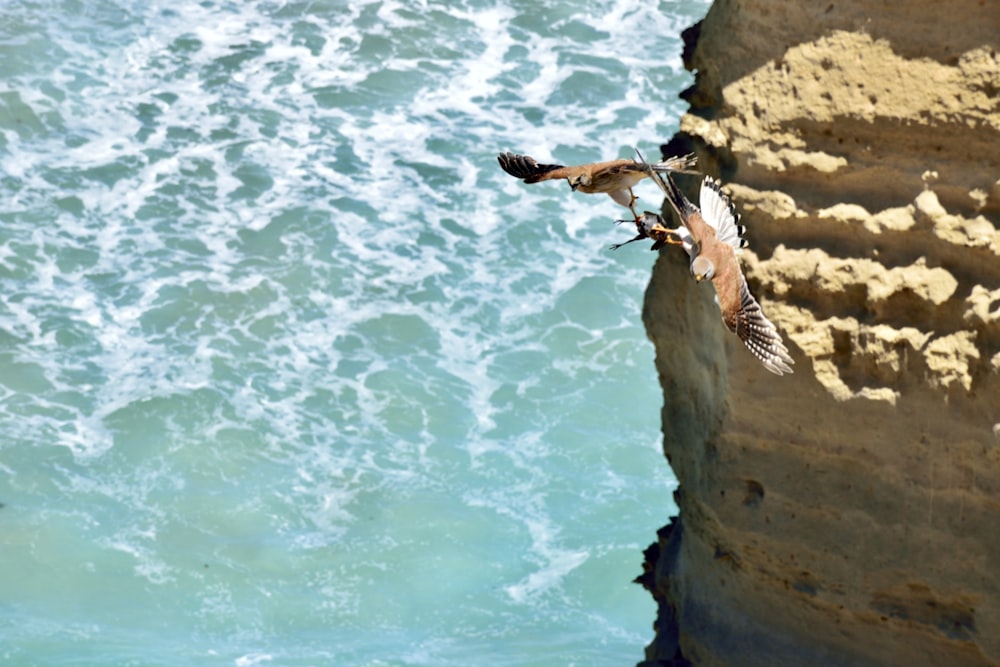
[573,186]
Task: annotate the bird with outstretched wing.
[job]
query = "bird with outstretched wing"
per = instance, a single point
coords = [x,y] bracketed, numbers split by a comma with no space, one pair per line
[715,239]
[616,178]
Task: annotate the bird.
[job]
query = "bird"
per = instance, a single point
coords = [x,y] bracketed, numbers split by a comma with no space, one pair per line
[614,178]
[651,226]
[716,239]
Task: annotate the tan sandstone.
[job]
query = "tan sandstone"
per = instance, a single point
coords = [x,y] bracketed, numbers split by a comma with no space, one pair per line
[848,514]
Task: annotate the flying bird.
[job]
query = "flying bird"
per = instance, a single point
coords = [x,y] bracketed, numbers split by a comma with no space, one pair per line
[614,178]
[651,226]
[716,238]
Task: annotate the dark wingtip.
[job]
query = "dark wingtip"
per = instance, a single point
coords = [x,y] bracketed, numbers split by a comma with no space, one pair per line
[525,167]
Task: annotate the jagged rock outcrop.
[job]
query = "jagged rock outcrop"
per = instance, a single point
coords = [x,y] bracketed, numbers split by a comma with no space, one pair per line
[848,514]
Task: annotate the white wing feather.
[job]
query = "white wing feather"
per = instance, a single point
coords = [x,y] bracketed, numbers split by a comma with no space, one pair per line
[719,212]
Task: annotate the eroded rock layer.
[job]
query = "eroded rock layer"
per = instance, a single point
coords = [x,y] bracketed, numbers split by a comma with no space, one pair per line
[848,514]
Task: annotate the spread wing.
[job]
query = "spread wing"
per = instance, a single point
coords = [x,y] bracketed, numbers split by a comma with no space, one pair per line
[615,177]
[757,332]
[719,212]
[615,167]
[527,169]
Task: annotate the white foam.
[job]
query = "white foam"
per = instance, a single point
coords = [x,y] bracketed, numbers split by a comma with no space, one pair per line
[557,565]
[308,298]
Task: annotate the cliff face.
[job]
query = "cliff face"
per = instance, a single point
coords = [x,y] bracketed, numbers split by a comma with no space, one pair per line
[848,514]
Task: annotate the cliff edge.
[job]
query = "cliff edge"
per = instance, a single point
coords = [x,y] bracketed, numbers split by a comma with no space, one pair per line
[848,514]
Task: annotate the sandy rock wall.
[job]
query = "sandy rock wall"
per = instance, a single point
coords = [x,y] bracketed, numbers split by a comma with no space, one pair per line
[848,514]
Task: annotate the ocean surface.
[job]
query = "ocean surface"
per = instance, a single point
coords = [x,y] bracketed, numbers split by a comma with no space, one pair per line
[291,373]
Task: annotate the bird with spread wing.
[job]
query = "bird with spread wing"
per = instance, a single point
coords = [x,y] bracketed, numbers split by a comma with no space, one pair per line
[616,178]
[712,238]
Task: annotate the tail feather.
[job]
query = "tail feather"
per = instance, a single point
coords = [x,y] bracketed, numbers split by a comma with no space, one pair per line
[684,164]
[525,167]
[681,205]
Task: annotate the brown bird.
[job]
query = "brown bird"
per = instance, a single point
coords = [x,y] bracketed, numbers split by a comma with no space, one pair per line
[614,178]
[651,226]
[716,239]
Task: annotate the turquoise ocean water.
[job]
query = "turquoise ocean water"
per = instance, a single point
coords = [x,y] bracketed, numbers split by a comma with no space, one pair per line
[290,372]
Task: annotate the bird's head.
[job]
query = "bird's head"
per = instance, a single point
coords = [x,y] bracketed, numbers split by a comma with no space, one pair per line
[649,222]
[702,268]
[577,181]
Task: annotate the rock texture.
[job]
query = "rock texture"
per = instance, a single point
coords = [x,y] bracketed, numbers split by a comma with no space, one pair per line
[848,514]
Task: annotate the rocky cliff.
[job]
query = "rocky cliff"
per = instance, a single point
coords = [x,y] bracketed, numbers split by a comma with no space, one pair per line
[848,514]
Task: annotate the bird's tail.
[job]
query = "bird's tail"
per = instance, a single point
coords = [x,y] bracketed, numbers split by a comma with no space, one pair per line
[681,164]
[525,167]
[684,164]
[681,205]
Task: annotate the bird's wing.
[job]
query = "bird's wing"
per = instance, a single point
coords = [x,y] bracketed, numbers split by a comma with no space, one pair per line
[615,167]
[526,168]
[626,165]
[744,317]
[610,176]
[719,212]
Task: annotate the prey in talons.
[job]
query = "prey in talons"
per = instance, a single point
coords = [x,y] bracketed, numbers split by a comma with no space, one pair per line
[651,226]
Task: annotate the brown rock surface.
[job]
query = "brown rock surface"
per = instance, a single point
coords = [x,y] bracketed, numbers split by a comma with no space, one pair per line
[848,514]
